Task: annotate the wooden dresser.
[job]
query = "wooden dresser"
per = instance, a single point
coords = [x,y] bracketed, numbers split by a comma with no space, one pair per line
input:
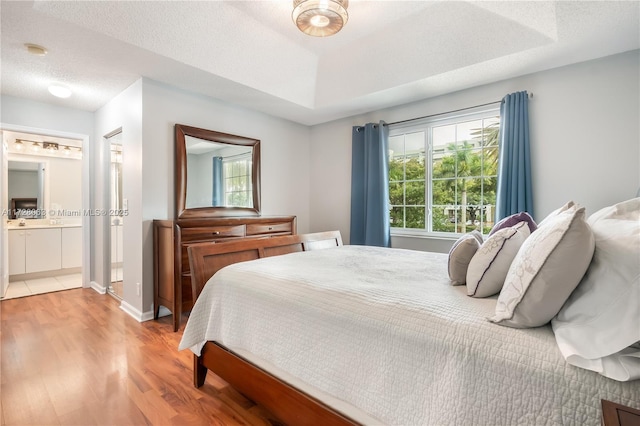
[171,275]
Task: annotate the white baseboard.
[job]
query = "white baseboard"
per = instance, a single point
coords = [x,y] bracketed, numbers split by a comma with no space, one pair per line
[135,313]
[147,316]
[97,287]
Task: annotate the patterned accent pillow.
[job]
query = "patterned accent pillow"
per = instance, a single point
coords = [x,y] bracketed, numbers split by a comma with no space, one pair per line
[489,266]
[460,255]
[548,267]
[512,220]
[556,212]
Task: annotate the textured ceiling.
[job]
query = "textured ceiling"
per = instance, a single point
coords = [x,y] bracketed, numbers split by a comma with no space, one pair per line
[249,52]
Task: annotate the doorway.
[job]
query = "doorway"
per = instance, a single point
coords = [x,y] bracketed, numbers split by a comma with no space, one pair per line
[43,191]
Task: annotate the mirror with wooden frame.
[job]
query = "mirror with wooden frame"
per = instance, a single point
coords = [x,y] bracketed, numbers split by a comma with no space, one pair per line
[217,174]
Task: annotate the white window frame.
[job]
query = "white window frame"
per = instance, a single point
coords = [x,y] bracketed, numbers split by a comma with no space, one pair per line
[426,125]
[234,159]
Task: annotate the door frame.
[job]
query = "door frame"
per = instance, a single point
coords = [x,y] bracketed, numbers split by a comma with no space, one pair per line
[86,193]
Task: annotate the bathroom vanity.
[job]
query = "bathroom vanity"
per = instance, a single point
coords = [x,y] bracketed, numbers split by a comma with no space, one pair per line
[41,247]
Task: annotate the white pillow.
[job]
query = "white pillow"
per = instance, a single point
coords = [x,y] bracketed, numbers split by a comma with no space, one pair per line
[557,211]
[548,267]
[601,319]
[460,255]
[489,266]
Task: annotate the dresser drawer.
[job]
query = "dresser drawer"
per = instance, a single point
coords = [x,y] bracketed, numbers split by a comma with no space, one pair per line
[269,228]
[211,233]
[172,280]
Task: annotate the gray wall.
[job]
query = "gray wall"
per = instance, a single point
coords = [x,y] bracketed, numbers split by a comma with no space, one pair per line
[584,130]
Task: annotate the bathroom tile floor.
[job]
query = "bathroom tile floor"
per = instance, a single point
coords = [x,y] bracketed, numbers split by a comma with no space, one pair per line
[42,285]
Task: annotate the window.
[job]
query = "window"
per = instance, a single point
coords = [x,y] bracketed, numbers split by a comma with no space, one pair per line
[443,174]
[237,181]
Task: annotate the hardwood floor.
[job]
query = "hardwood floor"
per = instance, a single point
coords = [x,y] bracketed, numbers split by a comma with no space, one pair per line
[74,358]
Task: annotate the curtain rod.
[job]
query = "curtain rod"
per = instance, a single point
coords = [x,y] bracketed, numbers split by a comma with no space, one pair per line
[242,154]
[448,112]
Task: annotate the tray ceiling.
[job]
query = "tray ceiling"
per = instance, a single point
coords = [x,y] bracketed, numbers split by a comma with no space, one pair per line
[249,53]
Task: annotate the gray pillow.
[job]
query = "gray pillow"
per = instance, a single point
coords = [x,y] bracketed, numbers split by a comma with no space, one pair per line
[460,255]
[489,266]
[514,219]
[548,267]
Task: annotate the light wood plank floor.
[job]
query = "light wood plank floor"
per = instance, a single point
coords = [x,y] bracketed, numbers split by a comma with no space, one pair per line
[74,358]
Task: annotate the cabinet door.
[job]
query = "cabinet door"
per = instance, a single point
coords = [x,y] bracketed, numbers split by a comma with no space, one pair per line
[16,252]
[71,247]
[43,251]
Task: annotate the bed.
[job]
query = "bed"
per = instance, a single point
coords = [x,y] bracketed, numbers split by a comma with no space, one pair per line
[321,333]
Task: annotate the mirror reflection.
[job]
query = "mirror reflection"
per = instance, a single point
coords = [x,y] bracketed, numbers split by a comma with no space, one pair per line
[25,189]
[116,286]
[219,175]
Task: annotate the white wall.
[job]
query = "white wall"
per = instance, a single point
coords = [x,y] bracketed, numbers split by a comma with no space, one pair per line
[585,141]
[24,112]
[123,112]
[284,148]
[284,152]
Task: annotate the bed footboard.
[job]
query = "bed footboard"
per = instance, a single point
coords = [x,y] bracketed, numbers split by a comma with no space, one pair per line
[287,403]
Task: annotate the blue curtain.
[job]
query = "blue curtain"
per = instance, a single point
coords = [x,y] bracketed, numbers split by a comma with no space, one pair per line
[370,185]
[514,175]
[218,183]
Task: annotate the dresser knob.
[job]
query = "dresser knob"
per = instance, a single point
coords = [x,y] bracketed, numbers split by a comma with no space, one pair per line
[270,228]
[216,233]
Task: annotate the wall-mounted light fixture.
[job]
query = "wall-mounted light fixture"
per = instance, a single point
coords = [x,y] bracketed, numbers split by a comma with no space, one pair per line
[50,146]
[45,148]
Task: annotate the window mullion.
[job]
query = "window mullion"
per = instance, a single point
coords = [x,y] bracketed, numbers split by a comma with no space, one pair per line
[428,199]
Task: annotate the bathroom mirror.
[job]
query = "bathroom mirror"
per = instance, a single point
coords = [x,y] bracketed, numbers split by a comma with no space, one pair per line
[26,190]
[217,174]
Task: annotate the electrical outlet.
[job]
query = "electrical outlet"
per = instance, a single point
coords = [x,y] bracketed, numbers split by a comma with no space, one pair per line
[138,289]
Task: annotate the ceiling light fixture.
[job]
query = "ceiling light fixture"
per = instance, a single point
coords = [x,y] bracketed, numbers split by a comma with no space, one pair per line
[320,18]
[59,91]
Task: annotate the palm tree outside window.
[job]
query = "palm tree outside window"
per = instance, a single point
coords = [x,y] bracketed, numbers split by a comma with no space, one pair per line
[443,174]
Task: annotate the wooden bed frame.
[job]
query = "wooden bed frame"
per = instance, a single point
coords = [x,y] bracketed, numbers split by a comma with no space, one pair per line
[288,404]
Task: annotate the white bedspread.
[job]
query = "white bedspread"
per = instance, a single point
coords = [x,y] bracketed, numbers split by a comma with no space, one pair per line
[383,331]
